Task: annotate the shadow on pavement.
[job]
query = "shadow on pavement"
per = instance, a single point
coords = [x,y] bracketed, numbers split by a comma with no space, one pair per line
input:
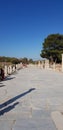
[9,108]
[2,86]
[13,100]
[0,82]
[8,78]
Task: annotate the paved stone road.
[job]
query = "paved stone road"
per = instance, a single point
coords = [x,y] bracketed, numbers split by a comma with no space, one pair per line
[31,100]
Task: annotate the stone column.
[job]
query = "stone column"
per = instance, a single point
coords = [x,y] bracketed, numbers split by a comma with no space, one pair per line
[62,62]
[54,66]
[9,69]
[21,65]
[39,64]
[46,64]
[6,71]
[43,64]
[16,66]
[13,68]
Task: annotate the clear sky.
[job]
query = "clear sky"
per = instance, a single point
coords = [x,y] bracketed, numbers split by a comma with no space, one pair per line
[24,24]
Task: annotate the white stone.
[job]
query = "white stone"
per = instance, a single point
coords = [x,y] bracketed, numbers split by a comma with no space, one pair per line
[46,64]
[9,69]
[54,66]
[6,70]
[58,119]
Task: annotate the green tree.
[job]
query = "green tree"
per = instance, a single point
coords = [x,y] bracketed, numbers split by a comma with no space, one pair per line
[31,61]
[52,47]
[24,60]
[15,61]
[12,60]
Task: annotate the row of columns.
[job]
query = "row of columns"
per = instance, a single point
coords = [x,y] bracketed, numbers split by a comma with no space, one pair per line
[42,64]
[45,64]
[11,68]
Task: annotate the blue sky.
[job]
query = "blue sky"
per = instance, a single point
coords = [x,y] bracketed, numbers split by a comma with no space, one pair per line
[24,24]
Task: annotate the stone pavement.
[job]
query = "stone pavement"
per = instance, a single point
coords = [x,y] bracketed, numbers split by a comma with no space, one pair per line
[31,100]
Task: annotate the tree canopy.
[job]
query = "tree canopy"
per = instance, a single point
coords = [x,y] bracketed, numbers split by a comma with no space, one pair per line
[52,47]
[14,60]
